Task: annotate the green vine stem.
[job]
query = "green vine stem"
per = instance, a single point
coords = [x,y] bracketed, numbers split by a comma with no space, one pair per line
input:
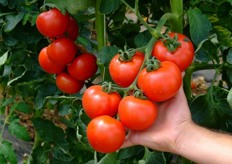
[196,67]
[177,20]
[6,121]
[100,26]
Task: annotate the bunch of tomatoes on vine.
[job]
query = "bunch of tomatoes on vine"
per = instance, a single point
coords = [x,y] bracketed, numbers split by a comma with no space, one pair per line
[69,61]
[141,78]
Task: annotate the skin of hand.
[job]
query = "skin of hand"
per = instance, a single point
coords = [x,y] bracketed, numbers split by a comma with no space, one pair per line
[173,117]
[175,132]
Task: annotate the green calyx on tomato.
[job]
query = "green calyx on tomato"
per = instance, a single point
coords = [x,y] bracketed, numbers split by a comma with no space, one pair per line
[152,64]
[124,56]
[171,43]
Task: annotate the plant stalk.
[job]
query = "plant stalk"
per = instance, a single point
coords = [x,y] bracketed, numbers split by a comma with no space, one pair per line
[100,26]
[177,10]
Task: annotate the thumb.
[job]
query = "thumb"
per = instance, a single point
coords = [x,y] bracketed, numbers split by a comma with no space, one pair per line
[127,142]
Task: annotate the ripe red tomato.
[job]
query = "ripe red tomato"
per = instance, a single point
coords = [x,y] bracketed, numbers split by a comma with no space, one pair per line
[124,73]
[83,67]
[137,114]
[182,56]
[72,30]
[47,65]
[97,102]
[52,23]
[105,134]
[62,51]
[161,84]
[68,84]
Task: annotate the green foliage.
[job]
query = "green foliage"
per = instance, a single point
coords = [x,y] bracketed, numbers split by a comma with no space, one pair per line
[26,89]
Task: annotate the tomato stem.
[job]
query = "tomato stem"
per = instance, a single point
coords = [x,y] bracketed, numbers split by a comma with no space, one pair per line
[152,31]
[177,18]
[196,67]
[100,26]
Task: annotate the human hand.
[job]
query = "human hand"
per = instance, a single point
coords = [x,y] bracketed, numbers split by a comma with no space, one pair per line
[173,117]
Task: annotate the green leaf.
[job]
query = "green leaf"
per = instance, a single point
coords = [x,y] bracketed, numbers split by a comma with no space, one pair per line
[200,26]
[48,132]
[7,150]
[129,152]
[212,110]
[151,156]
[72,6]
[12,21]
[19,131]
[229,98]
[44,90]
[141,39]
[207,52]
[9,83]
[224,35]
[108,6]
[107,53]
[23,107]
[61,154]
[3,58]
[40,154]
[109,158]
[2,159]
[229,56]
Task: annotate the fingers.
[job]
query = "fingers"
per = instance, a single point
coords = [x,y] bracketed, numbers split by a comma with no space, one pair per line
[127,142]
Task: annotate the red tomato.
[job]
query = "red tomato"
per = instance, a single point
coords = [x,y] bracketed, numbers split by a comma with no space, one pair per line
[72,30]
[182,56]
[97,102]
[83,67]
[47,65]
[137,114]
[68,84]
[124,73]
[62,51]
[52,23]
[105,134]
[161,84]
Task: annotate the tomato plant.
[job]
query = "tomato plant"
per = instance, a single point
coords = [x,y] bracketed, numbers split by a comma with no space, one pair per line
[124,71]
[34,109]
[160,84]
[52,23]
[105,134]
[137,114]
[83,67]
[177,48]
[93,98]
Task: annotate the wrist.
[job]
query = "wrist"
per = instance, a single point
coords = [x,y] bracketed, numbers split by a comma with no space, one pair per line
[185,133]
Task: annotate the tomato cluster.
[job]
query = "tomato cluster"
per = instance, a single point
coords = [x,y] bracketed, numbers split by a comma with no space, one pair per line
[70,61]
[145,80]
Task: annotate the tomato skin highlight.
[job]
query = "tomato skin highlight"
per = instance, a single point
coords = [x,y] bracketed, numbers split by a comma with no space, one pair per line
[83,67]
[183,56]
[97,102]
[161,84]
[62,51]
[137,114]
[124,73]
[47,65]
[68,84]
[105,134]
[52,23]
